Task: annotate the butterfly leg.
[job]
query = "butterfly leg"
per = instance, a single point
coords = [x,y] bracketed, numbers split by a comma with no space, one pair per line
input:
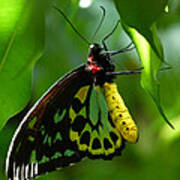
[106,37]
[111,53]
[137,71]
[127,48]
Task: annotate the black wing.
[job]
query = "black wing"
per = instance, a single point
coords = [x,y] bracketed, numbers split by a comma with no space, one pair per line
[41,142]
[63,127]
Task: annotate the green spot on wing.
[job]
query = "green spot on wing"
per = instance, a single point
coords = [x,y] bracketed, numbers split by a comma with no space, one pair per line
[31,138]
[58,137]
[44,159]
[42,130]
[49,140]
[69,152]
[83,112]
[57,117]
[87,128]
[18,147]
[33,156]
[45,139]
[32,122]
[56,155]
[104,111]
[94,109]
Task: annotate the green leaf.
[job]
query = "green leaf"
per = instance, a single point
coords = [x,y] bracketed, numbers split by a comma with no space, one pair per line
[21,45]
[141,14]
[138,19]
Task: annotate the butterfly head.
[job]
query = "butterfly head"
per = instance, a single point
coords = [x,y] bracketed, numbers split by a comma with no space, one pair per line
[97,60]
[95,50]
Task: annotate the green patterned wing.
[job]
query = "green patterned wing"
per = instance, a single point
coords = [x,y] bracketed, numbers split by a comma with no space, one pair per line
[69,122]
[91,126]
[41,142]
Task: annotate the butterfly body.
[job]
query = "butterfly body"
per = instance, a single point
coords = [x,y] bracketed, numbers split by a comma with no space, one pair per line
[119,113]
[75,118]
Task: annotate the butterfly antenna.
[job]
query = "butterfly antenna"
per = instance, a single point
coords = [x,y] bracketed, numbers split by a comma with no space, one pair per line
[101,22]
[65,17]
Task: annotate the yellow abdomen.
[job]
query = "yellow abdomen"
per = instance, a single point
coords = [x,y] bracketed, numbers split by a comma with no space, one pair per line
[119,113]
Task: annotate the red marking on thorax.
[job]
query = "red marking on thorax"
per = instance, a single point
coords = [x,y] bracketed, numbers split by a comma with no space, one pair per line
[94,68]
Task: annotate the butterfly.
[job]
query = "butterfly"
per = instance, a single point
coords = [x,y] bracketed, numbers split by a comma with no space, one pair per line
[81,115]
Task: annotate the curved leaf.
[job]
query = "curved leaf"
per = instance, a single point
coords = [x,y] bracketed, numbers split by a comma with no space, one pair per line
[138,19]
[141,14]
[21,44]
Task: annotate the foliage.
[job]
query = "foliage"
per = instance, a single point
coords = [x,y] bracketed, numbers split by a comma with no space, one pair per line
[142,30]
[21,42]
